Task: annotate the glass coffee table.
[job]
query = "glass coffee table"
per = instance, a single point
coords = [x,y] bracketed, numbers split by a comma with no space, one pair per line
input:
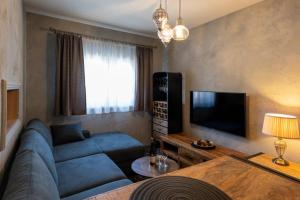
[142,167]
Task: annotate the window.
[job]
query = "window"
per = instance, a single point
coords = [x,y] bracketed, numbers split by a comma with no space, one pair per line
[110,76]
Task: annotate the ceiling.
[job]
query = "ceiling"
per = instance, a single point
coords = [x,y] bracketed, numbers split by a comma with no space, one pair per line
[135,15]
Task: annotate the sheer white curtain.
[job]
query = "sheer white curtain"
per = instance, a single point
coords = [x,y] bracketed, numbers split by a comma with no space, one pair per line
[110,76]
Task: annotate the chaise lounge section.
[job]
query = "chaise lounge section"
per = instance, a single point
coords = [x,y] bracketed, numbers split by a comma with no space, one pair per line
[69,171]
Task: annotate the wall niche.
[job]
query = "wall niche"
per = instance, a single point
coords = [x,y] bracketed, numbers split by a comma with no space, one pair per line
[10,109]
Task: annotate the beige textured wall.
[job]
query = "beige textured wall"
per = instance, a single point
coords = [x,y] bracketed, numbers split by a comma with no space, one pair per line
[255,50]
[40,78]
[11,62]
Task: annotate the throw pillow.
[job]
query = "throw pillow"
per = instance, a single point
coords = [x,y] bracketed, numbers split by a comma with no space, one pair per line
[66,133]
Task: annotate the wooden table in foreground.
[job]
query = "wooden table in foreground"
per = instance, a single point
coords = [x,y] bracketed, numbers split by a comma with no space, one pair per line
[240,180]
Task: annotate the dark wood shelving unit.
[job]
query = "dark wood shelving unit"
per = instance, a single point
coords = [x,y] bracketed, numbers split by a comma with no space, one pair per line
[167,102]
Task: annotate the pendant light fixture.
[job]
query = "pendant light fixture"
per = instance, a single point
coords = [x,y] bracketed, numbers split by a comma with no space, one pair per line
[180,32]
[166,34]
[165,31]
[160,17]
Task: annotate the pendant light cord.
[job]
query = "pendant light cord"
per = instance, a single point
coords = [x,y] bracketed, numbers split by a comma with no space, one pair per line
[180,9]
[166,5]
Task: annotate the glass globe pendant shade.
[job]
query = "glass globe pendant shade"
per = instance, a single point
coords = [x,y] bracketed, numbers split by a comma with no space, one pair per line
[180,32]
[164,40]
[166,34]
[160,17]
[167,31]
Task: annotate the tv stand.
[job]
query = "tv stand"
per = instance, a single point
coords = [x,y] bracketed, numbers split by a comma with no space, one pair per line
[179,148]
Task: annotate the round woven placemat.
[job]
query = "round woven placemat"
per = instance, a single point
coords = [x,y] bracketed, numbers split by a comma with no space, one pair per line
[177,188]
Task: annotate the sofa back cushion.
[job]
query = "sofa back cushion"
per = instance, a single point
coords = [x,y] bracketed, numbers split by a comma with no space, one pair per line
[30,179]
[42,128]
[66,133]
[33,141]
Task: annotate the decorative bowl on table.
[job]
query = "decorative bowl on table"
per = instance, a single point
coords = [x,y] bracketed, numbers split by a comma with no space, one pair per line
[203,144]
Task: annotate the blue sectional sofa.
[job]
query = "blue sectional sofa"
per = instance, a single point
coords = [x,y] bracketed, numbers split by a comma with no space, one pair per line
[71,171]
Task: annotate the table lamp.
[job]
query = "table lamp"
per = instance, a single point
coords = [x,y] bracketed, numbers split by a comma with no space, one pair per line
[281,126]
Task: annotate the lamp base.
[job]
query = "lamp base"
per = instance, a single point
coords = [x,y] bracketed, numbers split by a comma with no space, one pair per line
[280,146]
[280,161]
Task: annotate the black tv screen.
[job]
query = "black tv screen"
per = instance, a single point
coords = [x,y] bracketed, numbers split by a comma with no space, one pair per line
[220,111]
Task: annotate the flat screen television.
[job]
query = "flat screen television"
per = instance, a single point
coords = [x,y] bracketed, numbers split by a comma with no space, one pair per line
[218,110]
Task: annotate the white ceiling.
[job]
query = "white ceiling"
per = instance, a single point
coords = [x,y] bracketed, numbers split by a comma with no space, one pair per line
[135,15]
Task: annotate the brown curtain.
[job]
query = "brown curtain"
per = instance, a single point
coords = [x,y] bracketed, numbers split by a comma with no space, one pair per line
[144,79]
[70,82]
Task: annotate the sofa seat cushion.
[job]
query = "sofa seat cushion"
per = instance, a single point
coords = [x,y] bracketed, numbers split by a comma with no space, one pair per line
[75,150]
[99,190]
[42,128]
[32,140]
[84,173]
[120,147]
[30,179]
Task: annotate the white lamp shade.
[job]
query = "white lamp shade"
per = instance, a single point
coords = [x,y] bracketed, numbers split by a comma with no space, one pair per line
[281,126]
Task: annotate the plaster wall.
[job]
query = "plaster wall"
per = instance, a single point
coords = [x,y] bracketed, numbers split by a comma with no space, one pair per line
[255,50]
[12,64]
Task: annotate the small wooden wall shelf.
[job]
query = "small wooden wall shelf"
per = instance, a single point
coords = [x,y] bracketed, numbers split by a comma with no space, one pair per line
[12,107]
[179,148]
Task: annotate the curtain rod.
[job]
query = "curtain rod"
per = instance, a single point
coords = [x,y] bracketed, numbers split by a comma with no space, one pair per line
[52,30]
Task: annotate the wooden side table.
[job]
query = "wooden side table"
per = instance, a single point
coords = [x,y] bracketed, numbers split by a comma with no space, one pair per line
[265,160]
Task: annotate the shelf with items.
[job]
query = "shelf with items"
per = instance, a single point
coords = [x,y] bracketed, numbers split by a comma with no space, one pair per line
[167,102]
[179,148]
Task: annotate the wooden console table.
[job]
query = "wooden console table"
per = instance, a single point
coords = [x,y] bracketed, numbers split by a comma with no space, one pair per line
[238,179]
[265,160]
[179,148]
